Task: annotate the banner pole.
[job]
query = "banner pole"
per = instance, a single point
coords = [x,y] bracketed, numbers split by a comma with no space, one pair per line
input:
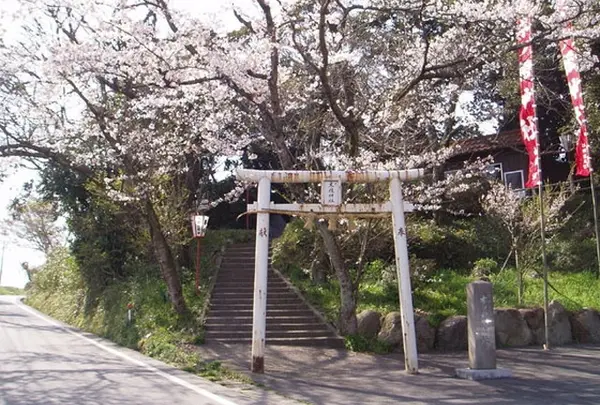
[544,263]
[592,187]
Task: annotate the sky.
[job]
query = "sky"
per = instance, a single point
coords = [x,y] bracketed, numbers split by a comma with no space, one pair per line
[15,251]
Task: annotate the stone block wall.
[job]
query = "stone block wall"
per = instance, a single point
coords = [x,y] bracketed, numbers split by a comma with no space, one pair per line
[514,327]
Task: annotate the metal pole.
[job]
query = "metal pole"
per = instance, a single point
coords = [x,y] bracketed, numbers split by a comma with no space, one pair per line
[198,257]
[259,311]
[247,202]
[411,364]
[544,264]
[595,222]
[2,262]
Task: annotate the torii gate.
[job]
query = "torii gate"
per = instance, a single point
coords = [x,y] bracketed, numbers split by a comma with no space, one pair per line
[331,204]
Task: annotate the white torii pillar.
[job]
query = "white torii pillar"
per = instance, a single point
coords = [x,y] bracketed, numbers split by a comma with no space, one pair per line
[396,207]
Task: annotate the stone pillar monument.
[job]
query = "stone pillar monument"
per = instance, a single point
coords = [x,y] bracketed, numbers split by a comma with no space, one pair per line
[482,334]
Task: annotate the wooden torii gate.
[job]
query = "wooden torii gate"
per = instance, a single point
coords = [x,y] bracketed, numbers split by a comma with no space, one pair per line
[331,204]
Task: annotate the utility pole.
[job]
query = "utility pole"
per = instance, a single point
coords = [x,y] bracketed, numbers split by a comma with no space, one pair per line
[2,261]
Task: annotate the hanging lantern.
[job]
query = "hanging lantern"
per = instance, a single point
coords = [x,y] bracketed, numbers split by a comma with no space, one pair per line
[199,225]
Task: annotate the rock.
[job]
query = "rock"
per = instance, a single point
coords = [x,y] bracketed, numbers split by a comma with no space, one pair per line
[535,320]
[369,323]
[558,324]
[511,328]
[391,330]
[425,334]
[452,333]
[585,326]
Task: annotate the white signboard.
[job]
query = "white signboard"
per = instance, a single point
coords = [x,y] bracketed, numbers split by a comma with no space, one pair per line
[199,224]
[331,192]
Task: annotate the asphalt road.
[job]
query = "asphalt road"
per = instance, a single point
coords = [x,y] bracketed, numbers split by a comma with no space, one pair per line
[43,362]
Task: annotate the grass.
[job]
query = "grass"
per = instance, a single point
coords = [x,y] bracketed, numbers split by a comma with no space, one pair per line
[11,291]
[444,294]
[156,330]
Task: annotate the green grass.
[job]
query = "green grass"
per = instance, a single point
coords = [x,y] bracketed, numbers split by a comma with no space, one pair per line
[574,290]
[11,291]
[444,294]
[156,330]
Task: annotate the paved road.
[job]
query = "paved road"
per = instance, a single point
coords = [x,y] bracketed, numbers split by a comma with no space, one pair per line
[568,375]
[43,362]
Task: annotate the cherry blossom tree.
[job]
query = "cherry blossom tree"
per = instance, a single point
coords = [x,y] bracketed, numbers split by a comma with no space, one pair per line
[35,222]
[127,89]
[521,218]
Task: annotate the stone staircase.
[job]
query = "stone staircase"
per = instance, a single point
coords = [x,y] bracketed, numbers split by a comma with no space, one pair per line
[290,321]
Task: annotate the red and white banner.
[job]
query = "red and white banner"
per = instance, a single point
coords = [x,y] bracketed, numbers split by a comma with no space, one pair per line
[582,151]
[527,115]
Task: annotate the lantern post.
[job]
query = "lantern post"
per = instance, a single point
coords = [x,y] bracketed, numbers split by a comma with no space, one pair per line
[199,225]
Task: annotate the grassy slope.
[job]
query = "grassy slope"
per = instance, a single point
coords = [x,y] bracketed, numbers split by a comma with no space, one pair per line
[156,330]
[11,291]
[444,295]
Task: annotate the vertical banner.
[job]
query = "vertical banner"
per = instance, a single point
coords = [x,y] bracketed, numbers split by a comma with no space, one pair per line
[582,151]
[527,115]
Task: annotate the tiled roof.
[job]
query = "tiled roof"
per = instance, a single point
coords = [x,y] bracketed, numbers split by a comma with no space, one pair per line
[489,143]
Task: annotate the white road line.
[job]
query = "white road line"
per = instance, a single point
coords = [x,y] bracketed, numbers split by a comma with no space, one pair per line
[173,379]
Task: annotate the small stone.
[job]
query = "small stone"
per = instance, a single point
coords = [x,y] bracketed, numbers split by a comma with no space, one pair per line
[452,333]
[558,324]
[369,323]
[535,320]
[585,325]
[391,330]
[425,334]
[511,328]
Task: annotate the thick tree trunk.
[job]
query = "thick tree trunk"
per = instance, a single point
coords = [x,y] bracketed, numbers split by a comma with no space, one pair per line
[316,266]
[164,255]
[348,322]
[520,285]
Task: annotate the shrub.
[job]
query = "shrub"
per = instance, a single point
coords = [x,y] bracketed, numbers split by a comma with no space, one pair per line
[572,254]
[359,343]
[459,244]
[484,268]
[294,248]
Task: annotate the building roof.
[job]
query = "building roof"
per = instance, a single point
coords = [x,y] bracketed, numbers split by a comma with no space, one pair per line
[489,143]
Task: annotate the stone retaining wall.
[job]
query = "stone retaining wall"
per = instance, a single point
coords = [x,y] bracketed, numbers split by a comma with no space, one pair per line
[514,327]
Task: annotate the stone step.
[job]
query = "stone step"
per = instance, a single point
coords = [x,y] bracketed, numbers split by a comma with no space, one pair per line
[250,301]
[241,271]
[227,280]
[218,335]
[271,320]
[244,277]
[227,294]
[289,320]
[282,326]
[271,312]
[330,342]
[249,288]
[270,305]
[275,284]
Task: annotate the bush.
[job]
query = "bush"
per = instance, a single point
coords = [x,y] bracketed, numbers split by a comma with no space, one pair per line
[484,268]
[572,254]
[294,249]
[459,244]
[358,343]
[165,346]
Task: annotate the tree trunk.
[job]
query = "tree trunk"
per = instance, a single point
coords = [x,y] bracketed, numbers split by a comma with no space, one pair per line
[164,255]
[316,266]
[438,175]
[519,278]
[348,322]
